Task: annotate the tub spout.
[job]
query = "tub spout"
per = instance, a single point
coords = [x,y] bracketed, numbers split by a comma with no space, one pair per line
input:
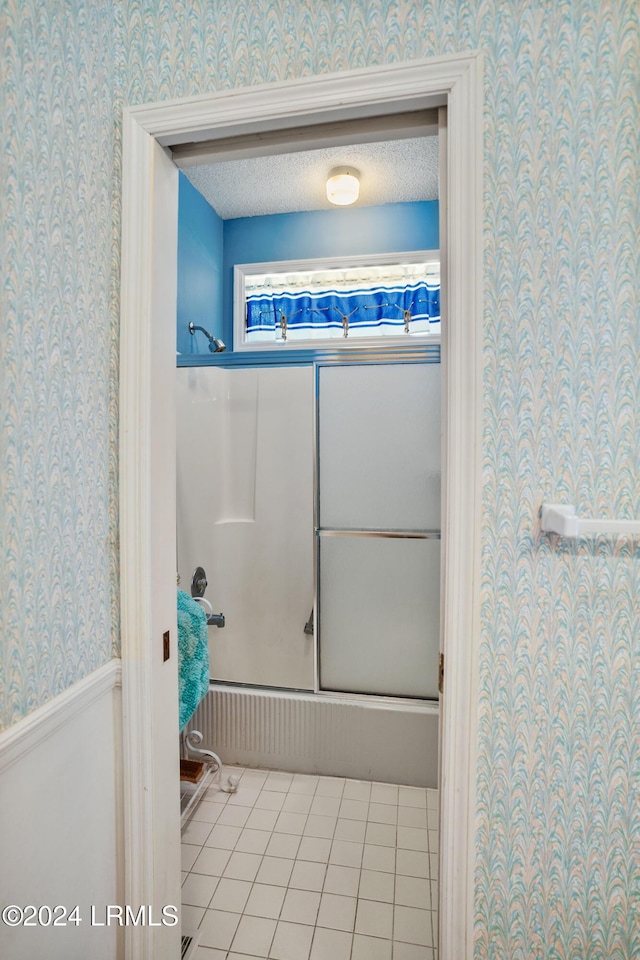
[216,620]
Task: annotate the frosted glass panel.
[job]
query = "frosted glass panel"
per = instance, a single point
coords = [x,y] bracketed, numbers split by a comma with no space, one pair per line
[379,615]
[379,446]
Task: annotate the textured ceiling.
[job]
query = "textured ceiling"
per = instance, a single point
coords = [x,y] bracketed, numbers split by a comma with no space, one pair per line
[391,172]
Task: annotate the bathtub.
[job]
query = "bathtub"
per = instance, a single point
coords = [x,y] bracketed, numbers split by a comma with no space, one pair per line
[368,738]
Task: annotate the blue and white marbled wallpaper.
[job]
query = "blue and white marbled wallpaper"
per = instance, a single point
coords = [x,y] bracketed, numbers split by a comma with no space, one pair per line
[558,815]
[58,336]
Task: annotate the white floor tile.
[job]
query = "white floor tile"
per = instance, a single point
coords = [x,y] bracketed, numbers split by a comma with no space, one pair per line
[383,812]
[331,945]
[223,837]
[208,812]
[374,919]
[346,854]
[234,816]
[357,790]
[304,784]
[342,880]
[322,806]
[275,871]
[411,863]
[232,770]
[413,892]
[253,841]
[412,797]
[244,797]
[435,894]
[218,928]
[379,858]
[370,948]
[412,817]
[242,956]
[412,926]
[330,787]
[242,866]
[307,876]
[216,795]
[188,855]
[300,906]
[270,843]
[231,895]
[413,838]
[197,890]
[383,834]
[265,900]
[283,845]
[297,803]
[293,823]
[212,862]
[196,832]
[270,800]
[314,848]
[353,809]
[353,830]
[336,912]
[376,885]
[292,941]
[409,951]
[384,793]
[279,781]
[191,917]
[254,778]
[262,819]
[254,936]
[317,826]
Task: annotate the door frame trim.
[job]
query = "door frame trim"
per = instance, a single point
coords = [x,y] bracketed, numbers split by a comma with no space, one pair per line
[394,88]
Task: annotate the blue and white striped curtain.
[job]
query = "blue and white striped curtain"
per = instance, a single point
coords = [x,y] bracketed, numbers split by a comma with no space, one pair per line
[382,308]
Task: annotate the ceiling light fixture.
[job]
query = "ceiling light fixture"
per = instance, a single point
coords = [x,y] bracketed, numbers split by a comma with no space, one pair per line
[343,186]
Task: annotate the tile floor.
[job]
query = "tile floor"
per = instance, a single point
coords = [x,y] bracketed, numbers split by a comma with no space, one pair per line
[296,867]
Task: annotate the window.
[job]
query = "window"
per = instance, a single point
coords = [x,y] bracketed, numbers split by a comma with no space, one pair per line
[351,301]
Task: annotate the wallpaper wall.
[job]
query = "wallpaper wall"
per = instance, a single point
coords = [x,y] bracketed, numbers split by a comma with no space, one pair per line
[58,339]
[558,816]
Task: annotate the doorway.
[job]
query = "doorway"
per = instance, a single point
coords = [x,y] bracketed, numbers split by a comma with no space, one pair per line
[148,501]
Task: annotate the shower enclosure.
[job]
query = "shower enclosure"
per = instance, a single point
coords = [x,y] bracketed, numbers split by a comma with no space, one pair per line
[315,489]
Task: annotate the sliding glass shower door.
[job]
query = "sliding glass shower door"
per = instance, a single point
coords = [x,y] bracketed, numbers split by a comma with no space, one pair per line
[378,528]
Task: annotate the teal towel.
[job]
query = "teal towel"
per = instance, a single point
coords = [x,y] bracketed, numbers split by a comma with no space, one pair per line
[193,655]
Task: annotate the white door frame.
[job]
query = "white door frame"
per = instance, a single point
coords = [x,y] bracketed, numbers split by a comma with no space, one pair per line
[149,229]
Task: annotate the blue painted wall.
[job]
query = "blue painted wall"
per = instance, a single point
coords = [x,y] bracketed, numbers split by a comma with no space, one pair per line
[200,241]
[325,233]
[208,249]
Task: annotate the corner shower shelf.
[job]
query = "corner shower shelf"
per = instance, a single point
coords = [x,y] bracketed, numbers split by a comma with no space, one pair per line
[563,520]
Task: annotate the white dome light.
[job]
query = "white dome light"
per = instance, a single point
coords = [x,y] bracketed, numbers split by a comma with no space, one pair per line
[343,186]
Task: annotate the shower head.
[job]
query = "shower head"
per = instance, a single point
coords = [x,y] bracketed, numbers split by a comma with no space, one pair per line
[215,345]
